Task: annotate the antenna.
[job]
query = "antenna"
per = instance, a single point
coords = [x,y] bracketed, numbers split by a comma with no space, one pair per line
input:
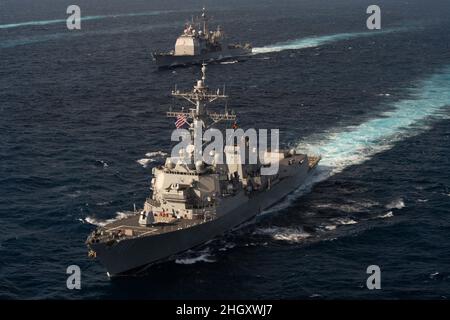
[205,19]
[200,97]
[203,71]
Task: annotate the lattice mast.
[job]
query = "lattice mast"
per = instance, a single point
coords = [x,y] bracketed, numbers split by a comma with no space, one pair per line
[200,97]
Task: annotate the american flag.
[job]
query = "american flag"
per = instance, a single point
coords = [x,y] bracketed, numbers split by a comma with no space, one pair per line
[181,120]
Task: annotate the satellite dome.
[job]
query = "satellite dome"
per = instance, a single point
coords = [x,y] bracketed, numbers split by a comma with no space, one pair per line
[170,164]
[199,166]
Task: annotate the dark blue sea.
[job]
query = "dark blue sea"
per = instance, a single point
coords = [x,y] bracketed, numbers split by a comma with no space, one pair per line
[82,122]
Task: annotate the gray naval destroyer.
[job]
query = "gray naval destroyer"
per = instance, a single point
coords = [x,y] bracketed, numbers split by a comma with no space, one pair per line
[197,44]
[194,203]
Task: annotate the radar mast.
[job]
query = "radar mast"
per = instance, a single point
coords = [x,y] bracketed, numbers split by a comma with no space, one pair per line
[200,97]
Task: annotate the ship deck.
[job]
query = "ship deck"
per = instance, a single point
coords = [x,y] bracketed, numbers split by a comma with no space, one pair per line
[313,161]
[130,227]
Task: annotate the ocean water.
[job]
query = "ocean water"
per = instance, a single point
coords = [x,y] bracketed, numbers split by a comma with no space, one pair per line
[82,123]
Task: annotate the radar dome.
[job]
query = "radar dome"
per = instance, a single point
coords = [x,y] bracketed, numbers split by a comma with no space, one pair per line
[199,165]
[170,164]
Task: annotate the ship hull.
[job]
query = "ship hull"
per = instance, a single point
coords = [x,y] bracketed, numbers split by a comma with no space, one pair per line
[131,254]
[171,61]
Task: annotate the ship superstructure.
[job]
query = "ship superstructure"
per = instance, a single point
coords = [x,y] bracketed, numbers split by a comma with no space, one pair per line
[198,44]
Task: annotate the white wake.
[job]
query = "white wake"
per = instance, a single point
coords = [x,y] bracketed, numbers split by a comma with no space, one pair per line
[354,145]
[316,41]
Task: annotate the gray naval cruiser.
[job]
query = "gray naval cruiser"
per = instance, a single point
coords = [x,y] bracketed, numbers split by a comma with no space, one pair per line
[194,202]
[197,44]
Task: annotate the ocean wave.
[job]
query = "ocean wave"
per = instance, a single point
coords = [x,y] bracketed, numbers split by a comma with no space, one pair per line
[346,221]
[434,275]
[102,163]
[151,157]
[229,62]
[283,234]
[104,203]
[201,258]
[354,207]
[101,223]
[330,227]
[396,204]
[191,257]
[145,162]
[387,215]
[74,194]
[227,246]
